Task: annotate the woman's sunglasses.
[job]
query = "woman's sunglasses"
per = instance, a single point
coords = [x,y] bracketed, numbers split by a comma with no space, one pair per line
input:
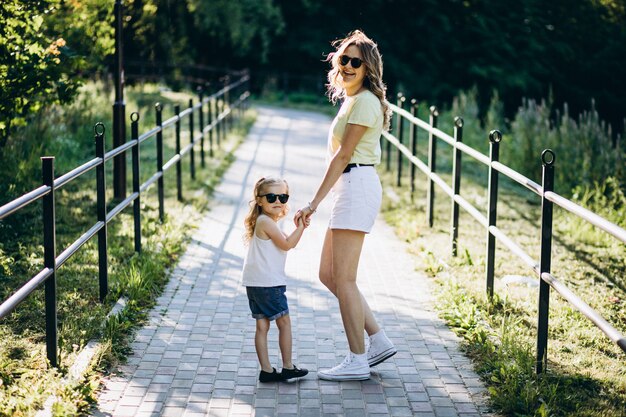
[271,197]
[356,62]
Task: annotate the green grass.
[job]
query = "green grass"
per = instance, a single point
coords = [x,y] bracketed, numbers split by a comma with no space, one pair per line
[586,375]
[26,379]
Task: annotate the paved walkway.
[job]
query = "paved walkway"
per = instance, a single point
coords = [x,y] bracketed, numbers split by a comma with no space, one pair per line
[196,357]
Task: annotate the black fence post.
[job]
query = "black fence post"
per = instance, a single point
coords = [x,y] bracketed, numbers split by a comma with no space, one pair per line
[159,155]
[49,260]
[492,211]
[228,119]
[211,128]
[134,117]
[179,166]
[192,156]
[119,106]
[218,121]
[401,100]
[413,138]
[456,183]
[101,209]
[201,128]
[547,159]
[432,166]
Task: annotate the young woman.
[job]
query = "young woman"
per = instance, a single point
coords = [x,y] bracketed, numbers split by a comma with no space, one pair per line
[353,151]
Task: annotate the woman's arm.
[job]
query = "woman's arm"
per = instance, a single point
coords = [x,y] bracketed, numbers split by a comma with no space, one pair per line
[340,159]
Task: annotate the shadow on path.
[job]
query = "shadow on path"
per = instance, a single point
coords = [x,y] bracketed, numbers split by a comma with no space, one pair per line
[196,356]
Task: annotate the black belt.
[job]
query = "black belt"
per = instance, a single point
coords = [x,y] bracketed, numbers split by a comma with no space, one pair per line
[350,166]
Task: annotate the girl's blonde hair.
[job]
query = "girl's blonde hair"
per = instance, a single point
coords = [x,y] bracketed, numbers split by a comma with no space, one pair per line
[255,209]
[373,61]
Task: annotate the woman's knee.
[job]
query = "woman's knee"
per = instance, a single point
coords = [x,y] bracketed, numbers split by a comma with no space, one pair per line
[326,278]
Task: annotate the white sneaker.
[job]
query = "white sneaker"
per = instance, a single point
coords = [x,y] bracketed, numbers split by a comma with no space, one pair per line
[348,370]
[380,349]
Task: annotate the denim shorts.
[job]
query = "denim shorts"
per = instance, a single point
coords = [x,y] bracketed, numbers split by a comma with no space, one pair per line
[267,302]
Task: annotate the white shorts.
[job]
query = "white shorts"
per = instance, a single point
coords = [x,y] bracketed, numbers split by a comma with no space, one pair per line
[357,196]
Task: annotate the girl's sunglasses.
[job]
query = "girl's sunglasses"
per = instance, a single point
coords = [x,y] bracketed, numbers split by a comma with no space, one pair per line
[356,62]
[271,197]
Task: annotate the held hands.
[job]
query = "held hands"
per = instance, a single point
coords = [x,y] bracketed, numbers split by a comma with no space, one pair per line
[302,222]
[303,215]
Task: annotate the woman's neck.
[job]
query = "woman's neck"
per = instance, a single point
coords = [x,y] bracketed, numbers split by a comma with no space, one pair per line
[354,91]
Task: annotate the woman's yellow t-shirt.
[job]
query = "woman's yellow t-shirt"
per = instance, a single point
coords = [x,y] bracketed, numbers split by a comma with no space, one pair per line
[362,109]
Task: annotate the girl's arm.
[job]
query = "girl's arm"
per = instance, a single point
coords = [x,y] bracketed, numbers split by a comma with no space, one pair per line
[340,159]
[268,227]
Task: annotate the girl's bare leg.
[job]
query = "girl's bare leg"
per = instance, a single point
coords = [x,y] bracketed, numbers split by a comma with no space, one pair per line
[260,343]
[284,340]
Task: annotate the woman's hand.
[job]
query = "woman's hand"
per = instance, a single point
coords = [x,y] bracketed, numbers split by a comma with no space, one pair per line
[304,213]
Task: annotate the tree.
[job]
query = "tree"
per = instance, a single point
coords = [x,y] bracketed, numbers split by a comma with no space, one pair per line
[46,48]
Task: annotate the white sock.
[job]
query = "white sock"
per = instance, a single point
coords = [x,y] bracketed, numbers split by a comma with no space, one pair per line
[378,335]
[359,357]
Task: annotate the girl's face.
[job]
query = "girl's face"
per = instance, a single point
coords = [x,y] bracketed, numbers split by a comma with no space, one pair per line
[352,78]
[274,192]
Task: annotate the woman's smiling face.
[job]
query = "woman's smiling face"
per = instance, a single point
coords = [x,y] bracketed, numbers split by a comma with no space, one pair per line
[352,78]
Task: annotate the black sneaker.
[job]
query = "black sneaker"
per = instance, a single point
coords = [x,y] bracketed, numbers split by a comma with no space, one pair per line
[271,376]
[293,373]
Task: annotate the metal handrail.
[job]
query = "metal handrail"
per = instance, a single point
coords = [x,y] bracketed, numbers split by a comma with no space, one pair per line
[548,196]
[219,124]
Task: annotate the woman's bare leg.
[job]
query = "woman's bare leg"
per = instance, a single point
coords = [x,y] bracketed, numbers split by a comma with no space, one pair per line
[326,277]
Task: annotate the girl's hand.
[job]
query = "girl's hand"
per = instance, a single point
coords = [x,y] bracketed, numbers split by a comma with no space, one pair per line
[305,213]
[304,222]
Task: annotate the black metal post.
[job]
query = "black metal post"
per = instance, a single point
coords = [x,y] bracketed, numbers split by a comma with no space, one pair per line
[192,156]
[179,166]
[212,128]
[492,211]
[201,128]
[159,152]
[401,100]
[456,184]
[547,159]
[101,213]
[134,117]
[218,124]
[222,122]
[119,107]
[413,138]
[228,120]
[49,260]
[432,166]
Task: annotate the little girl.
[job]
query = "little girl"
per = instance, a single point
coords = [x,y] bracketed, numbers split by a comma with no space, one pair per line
[264,273]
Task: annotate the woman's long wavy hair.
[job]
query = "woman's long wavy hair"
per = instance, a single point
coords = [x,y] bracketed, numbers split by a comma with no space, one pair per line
[255,209]
[373,70]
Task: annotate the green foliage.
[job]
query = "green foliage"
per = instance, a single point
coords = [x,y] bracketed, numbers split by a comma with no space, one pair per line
[584,146]
[246,26]
[25,380]
[44,45]
[585,374]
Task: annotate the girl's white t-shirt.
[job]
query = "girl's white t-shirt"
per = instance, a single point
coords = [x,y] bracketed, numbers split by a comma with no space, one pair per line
[361,109]
[264,265]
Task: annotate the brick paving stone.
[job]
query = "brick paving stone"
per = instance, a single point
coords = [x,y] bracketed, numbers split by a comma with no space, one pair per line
[195,356]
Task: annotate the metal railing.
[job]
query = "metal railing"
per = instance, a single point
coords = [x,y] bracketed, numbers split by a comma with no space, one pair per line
[221,107]
[545,191]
